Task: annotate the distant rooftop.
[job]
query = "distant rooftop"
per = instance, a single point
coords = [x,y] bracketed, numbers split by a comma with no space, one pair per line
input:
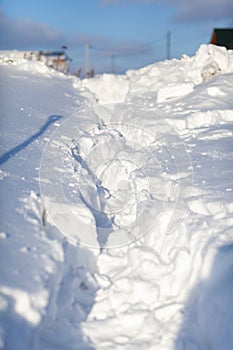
[223,37]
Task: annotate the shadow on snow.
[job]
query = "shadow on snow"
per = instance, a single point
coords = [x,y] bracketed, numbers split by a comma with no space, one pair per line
[208,315]
[8,155]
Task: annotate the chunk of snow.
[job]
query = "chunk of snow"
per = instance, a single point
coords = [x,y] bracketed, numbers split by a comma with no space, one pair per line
[174,90]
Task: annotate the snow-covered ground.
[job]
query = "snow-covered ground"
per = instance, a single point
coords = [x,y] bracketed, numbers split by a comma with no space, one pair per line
[116,206]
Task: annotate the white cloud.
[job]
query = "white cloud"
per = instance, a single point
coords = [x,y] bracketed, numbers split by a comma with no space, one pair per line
[194,10]
[27,34]
[200,10]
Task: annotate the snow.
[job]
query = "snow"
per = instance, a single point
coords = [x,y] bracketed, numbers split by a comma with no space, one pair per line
[101,86]
[116,210]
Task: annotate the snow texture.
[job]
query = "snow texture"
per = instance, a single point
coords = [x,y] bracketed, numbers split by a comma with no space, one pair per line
[116,206]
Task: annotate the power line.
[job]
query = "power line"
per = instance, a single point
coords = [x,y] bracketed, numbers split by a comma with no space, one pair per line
[159,48]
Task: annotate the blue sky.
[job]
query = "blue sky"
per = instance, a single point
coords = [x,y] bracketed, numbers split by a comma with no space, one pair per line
[134,32]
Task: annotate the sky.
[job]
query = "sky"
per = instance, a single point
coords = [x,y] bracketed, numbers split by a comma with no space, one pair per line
[121,34]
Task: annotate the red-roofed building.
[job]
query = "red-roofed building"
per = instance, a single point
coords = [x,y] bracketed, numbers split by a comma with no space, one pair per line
[223,37]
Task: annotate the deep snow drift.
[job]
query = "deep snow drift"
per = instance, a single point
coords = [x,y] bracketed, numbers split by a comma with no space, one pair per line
[116,206]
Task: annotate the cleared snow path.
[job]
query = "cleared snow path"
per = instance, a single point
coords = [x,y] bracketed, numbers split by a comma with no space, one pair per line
[144,185]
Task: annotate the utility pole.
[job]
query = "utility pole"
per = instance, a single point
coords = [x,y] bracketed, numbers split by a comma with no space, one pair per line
[113,63]
[86,60]
[168,45]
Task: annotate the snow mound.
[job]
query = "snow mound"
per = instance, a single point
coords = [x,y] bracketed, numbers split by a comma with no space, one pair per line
[108,88]
[19,59]
[175,78]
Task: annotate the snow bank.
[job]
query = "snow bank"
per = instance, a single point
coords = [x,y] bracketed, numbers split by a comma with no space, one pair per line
[108,88]
[144,185]
[27,61]
[176,78]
